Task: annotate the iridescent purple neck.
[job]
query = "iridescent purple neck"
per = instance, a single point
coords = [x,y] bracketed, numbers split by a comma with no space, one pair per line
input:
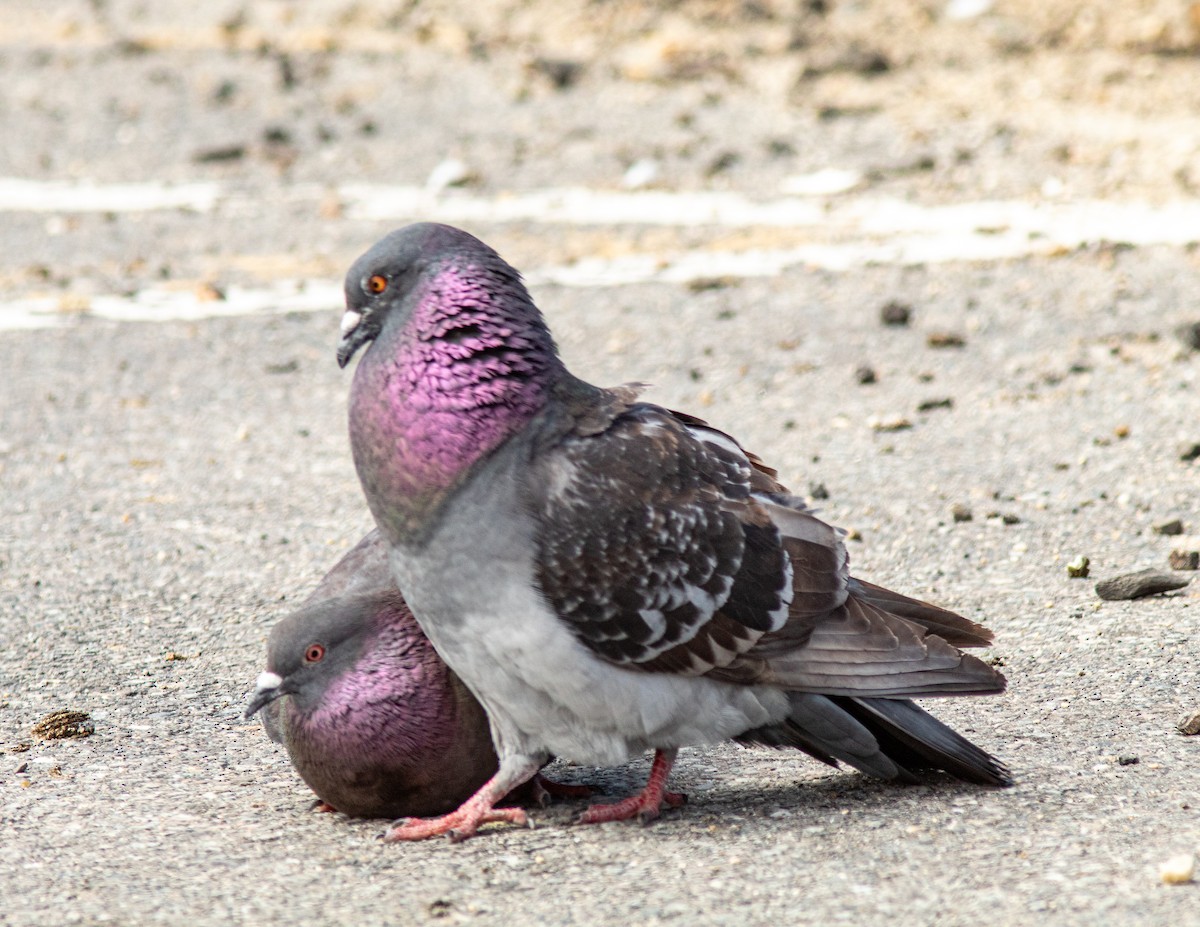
[395,701]
[464,364]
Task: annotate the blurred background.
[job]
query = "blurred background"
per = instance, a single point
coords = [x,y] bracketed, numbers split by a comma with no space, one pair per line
[194,146]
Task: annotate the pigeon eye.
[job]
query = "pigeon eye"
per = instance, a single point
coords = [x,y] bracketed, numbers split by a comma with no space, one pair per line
[315,653]
[377,283]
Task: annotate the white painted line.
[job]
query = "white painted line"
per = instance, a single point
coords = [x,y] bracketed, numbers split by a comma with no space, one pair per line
[1067,223]
[578,206]
[842,232]
[160,305]
[324,295]
[18,195]
[699,265]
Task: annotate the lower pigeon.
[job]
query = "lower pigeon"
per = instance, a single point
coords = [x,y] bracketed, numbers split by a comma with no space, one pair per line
[372,719]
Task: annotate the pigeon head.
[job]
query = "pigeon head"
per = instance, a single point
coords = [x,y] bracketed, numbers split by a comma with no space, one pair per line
[458,358]
[309,649]
[444,269]
[383,280]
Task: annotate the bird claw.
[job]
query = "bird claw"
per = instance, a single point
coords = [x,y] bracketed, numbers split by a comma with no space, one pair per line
[643,807]
[457,826]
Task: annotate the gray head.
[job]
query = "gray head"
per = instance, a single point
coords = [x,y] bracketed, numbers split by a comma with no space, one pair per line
[392,277]
[371,718]
[460,360]
[315,645]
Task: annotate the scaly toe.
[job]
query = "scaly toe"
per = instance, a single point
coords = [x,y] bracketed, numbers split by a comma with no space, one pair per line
[647,815]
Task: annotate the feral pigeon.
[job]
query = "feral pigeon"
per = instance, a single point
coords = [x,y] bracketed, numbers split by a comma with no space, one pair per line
[608,576]
[373,720]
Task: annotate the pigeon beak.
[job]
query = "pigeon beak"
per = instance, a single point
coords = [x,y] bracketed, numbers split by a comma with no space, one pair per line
[354,336]
[267,688]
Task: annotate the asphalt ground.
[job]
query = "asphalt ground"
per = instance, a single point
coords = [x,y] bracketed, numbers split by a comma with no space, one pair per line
[171,488]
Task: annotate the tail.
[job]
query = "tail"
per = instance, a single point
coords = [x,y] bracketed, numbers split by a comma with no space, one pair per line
[889,738]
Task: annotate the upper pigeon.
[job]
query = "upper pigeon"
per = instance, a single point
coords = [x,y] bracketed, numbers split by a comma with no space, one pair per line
[608,576]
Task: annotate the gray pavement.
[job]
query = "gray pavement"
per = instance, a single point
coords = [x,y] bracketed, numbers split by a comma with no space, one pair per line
[169,489]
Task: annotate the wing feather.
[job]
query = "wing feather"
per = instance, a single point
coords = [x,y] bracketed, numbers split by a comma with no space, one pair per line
[666,547]
[652,549]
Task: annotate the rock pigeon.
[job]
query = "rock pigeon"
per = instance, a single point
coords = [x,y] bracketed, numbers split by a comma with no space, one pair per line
[374,722]
[608,576]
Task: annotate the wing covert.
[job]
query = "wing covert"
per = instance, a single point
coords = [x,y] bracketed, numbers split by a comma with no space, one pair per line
[651,547]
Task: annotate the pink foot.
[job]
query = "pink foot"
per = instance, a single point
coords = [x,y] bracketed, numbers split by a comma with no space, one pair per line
[477,810]
[639,806]
[322,807]
[647,804]
[457,825]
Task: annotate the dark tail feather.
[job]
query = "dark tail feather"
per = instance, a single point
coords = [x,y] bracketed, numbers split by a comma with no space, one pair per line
[823,729]
[917,740]
[887,738]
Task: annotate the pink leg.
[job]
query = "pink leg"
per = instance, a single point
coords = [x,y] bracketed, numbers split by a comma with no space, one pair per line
[647,804]
[323,807]
[477,810]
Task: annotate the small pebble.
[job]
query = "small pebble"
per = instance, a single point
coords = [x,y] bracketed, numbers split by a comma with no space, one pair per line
[929,405]
[1184,560]
[865,375]
[1178,870]
[1079,567]
[1190,335]
[1189,724]
[722,163]
[219,155]
[891,424]
[59,725]
[1128,759]
[1189,452]
[1137,585]
[702,284]
[945,340]
[561,72]
[960,512]
[209,293]
[818,491]
[966,9]
[1170,528]
[895,313]
[449,173]
[641,174]
[825,182]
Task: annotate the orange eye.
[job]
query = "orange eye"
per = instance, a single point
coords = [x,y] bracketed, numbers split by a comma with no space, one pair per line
[315,653]
[377,283]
